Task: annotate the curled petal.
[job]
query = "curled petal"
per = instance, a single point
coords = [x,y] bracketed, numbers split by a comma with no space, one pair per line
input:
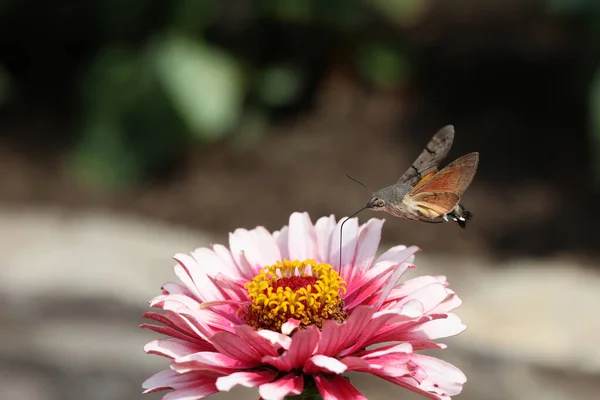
[304,344]
[290,326]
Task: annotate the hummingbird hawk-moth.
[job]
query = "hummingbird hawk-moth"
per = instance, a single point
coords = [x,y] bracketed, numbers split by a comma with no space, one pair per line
[423,193]
[426,194]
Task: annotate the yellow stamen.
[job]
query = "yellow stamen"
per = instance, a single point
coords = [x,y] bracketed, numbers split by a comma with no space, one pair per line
[304,290]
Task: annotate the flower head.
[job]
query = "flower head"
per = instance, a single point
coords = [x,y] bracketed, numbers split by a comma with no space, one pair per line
[277,311]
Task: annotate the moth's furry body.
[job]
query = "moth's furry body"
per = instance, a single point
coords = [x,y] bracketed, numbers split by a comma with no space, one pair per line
[395,202]
[426,194]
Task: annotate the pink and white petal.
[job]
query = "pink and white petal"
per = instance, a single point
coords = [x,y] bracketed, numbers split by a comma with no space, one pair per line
[177,326]
[368,290]
[203,286]
[349,237]
[245,344]
[202,321]
[175,288]
[426,345]
[210,263]
[402,348]
[394,254]
[230,268]
[412,385]
[324,229]
[263,346]
[169,379]
[410,286]
[233,346]
[192,393]
[267,246]
[356,364]
[395,277]
[304,344]
[436,329]
[337,388]
[302,240]
[282,240]
[368,241]
[288,385]
[277,339]
[443,378]
[323,364]
[451,302]
[336,337]
[369,284]
[238,243]
[174,348]
[185,277]
[368,335]
[209,361]
[399,329]
[430,296]
[246,379]
[290,326]
[258,246]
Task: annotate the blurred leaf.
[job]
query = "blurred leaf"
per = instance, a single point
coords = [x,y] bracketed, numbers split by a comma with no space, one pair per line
[253,126]
[194,16]
[280,86]
[101,157]
[129,126]
[205,84]
[572,6]
[115,82]
[404,12]
[296,11]
[382,65]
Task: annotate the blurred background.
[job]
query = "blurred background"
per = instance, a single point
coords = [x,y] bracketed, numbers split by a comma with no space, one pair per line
[131,130]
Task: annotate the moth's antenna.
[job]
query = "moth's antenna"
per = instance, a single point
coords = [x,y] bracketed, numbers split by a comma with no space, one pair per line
[342,230]
[360,183]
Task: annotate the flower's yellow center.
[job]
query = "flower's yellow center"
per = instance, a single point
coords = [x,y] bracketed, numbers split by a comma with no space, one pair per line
[304,290]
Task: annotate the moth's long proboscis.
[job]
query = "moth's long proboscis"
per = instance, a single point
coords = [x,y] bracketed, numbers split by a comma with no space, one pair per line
[342,232]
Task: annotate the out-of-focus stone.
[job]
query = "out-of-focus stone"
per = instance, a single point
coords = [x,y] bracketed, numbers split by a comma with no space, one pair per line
[540,312]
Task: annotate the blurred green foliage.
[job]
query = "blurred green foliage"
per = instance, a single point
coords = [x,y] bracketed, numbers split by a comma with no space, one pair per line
[205,72]
[155,77]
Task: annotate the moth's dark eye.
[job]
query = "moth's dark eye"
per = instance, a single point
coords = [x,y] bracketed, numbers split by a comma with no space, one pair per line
[380,203]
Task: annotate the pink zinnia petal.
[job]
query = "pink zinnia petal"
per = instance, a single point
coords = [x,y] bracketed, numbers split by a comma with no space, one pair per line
[302,239]
[277,311]
[246,379]
[337,388]
[349,237]
[304,344]
[288,385]
[368,241]
[324,228]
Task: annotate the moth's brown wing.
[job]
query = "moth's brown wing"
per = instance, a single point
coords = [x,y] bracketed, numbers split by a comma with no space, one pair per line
[434,205]
[436,150]
[454,178]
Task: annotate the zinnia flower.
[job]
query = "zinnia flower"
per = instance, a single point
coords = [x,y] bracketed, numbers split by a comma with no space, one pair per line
[277,312]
